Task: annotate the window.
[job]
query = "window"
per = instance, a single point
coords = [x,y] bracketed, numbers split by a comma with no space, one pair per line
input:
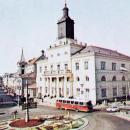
[81,103]
[66,52]
[78,79]
[113,66]
[114,78]
[86,65]
[123,65]
[76,102]
[123,90]
[66,66]
[40,79]
[77,66]
[78,89]
[123,78]
[64,101]
[45,89]
[67,91]
[87,78]
[51,67]
[87,90]
[58,67]
[53,79]
[72,102]
[103,65]
[68,102]
[45,68]
[51,55]
[40,69]
[103,92]
[103,78]
[58,54]
[82,92]
[68,79]
[114,92]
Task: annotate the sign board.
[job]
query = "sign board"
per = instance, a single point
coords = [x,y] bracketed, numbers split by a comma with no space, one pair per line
[30,105]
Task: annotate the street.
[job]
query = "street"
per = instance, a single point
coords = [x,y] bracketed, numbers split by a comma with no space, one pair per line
[97,120]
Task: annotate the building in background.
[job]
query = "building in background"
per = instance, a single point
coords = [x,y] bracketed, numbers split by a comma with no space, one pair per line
[11,82]
[1,81]
[27,71]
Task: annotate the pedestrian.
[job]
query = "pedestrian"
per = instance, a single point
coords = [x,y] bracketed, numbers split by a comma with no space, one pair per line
[124,103]
[14,114]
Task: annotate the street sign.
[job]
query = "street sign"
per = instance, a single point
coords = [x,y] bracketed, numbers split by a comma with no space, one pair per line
[30,105]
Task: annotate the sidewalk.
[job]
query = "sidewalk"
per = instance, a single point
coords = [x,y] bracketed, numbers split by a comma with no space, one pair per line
[123,115]
[47,102]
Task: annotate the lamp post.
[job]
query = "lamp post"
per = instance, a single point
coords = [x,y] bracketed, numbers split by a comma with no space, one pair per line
[125,71]
[27,109]
[19,88]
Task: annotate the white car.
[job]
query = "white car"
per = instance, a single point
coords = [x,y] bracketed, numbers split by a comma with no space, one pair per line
[113,109]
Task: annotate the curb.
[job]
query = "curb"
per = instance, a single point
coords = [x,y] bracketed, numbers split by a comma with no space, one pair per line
[83,126]
[122,117]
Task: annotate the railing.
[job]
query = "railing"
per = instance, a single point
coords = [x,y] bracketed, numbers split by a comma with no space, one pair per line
[57,72]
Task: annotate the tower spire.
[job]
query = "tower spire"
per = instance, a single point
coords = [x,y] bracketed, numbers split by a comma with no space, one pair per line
[22,57]
[65,3]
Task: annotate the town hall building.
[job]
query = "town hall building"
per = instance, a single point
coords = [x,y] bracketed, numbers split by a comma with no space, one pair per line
[71,69]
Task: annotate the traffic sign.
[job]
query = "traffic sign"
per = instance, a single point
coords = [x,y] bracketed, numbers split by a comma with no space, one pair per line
[30,105]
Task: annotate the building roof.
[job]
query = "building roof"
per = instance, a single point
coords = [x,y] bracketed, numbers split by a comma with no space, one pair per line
[42,57]
[29,75]
[32,61]
[102,51]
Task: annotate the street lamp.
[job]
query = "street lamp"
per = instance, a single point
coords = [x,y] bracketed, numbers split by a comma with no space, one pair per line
[27,109]
[125,71]
[19,88]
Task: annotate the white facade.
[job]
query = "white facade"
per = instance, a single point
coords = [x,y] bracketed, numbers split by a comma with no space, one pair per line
[74,70]
[117,82]
[84,77]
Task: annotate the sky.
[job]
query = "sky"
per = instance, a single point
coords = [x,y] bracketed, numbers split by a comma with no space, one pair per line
[32,25]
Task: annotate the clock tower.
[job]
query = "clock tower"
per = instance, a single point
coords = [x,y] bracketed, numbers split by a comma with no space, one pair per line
[65,25]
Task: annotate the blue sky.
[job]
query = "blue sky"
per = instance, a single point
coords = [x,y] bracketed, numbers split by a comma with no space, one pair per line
[31,24]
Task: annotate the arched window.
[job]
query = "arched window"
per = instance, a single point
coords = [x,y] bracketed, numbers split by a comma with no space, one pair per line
[87,78]
[78,79]
[123,78]
[114,78]
[103,78]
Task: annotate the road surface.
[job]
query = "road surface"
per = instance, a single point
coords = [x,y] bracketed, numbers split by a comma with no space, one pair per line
[97,120]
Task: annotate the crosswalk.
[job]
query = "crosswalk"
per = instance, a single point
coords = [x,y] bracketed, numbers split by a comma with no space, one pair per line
[3,125]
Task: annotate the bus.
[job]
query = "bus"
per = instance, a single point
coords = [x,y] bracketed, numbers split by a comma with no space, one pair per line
[73,104]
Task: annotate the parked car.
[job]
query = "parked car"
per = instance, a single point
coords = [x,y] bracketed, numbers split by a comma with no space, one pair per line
[113,109]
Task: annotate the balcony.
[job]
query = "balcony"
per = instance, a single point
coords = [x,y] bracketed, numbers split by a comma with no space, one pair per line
[67,73]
